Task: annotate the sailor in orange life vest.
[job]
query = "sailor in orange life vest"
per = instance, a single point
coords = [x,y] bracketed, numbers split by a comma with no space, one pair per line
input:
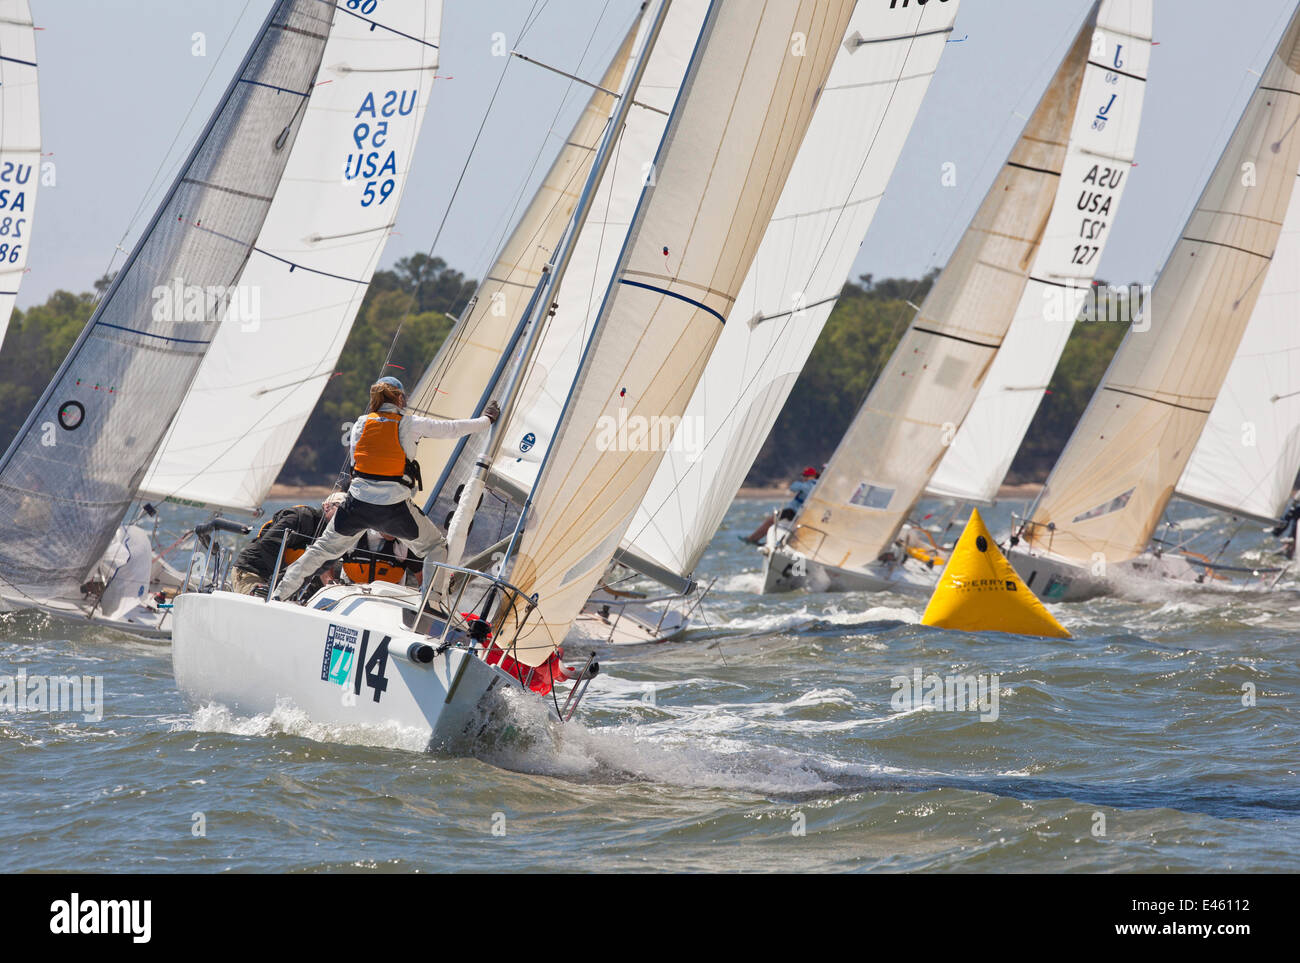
[382,445]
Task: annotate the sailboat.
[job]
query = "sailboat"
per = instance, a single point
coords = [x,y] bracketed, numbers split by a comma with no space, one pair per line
[74,469]
[874,92]
[729,142]
[880,76]
[1090,530]
[1246,459]
[306,276]
[1012,287]
[20,148]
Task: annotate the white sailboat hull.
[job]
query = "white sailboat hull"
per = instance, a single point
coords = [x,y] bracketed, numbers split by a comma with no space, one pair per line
[1055,579]
[784,571]
[609,618]
[254,656]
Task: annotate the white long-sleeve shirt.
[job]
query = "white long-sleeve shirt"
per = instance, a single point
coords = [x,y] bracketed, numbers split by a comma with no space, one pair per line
[409,432]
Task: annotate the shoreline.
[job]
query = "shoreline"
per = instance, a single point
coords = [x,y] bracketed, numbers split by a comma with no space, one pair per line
[1023,490]
[747,492]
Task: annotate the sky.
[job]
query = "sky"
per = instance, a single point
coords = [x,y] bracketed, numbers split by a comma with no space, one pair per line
[124,90]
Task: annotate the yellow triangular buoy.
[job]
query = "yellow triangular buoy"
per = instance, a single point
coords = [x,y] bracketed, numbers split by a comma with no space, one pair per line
[979,591]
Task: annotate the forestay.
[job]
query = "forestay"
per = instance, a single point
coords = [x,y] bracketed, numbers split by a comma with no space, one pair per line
[456,378]
[323,237]
[1107,492]
[20,148]
[1249,451]
[740,118]
[1093,178]
[898,437]
[875,88]
[73,470]
[531,419]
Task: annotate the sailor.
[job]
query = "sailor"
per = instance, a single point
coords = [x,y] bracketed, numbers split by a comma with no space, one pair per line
[384,474]
[255,565]
[1286,528]
[800,489]
[379,557]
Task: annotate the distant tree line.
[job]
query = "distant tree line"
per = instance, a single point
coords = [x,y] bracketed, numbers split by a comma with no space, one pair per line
[423,295]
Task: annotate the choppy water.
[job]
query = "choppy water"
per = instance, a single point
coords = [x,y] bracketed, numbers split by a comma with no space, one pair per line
[764,741]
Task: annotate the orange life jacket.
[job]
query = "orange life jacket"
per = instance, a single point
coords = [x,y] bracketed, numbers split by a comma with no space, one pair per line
[378,454]
[291,555]
[363,566]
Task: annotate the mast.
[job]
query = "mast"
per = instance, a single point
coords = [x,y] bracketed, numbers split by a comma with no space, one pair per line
[899,435]
[863,117]
[70,475]
[540,306]
[474,357]
[1107,491]
[730,143]
[334,210]
[1094,177]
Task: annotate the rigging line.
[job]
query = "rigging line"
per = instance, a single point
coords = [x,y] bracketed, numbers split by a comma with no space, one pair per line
[453,354]
[789,318]
[1230,118]
[153,181]
[883,357]
[413,300]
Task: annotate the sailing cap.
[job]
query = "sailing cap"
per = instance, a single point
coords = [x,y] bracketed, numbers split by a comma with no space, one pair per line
[390,380]
[810,472]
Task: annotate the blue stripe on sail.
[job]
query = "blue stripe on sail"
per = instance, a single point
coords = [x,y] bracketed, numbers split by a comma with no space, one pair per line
[673,294]
[15,60]
[149,334]
[282,90]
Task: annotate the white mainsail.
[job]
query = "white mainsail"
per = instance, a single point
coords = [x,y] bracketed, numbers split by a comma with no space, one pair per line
[1102,146]
[528,433]
[1249,451]
[20,148]
[456,378]
[1114,479]
[898,437]
[331,217]
[74,468]
[731,141]
[873,94]
[532,416]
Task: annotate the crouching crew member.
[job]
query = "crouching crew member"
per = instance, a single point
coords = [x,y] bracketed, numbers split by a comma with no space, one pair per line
[255,565]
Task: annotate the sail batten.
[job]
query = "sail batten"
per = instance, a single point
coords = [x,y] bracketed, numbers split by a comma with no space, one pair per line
[731,140]
[856,135]
[315,255]
[1119,470]
[903,430]
[20,148]
[75,467]
[1246,459]
[453,383]
[980,455]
